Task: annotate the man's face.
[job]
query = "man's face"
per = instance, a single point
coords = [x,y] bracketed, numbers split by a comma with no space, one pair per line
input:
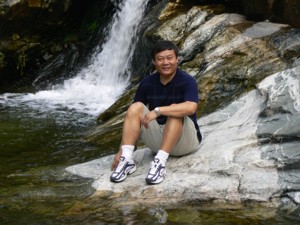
[166,62]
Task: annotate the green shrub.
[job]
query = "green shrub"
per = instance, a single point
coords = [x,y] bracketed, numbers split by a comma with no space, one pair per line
[1,60]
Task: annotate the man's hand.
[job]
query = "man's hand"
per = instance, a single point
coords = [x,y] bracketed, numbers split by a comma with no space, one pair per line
[148,118]
[116,161]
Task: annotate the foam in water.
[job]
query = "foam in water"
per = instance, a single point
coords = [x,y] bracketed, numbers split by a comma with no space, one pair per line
[97,86]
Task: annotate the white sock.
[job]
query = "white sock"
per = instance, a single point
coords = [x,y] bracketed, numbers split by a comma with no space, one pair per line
[127,151]
[162,156]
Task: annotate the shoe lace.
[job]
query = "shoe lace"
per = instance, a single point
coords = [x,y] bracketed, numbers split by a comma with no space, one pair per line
[154,166]
[122,163]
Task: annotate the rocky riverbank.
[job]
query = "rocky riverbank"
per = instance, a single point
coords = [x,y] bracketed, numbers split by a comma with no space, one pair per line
[248,76]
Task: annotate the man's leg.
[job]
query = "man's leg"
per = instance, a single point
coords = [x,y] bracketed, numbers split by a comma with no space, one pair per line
[131,132]
[171,134]
[132,124]
[188,141]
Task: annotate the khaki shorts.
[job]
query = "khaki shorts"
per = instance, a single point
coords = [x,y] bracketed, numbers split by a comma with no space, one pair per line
[187,143]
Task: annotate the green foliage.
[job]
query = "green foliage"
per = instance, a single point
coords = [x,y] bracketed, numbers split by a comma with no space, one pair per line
[92,27]
[22,58]
[70,38]
[1,60]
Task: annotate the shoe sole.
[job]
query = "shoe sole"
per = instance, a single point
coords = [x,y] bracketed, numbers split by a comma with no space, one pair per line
[158,181]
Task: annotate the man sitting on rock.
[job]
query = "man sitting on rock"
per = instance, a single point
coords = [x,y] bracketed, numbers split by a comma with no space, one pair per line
[163,115]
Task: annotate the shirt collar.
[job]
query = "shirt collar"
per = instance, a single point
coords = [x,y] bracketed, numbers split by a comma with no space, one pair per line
[171,82]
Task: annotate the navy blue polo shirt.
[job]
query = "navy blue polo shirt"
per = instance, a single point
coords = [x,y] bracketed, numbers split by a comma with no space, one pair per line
[152,93]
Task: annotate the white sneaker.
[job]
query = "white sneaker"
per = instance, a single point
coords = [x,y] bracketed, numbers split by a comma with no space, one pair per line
[157,172]
[124,167]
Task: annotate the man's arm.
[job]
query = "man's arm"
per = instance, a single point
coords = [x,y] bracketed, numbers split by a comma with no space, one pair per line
[176,110]
[179,110]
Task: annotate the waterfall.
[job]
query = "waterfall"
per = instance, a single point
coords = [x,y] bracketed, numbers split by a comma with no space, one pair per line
[98,85]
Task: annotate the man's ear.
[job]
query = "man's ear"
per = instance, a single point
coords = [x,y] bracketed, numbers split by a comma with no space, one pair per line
[179,59]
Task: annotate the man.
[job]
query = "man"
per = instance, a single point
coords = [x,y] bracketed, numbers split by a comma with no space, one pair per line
[162,115]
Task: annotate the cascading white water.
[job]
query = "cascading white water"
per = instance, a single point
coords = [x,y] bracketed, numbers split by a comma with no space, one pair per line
[97,86]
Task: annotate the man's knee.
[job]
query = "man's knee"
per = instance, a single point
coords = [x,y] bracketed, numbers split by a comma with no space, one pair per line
[135,108]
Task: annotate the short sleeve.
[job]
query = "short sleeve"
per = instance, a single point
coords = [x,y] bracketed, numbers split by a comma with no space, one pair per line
[140,96]
[191,90]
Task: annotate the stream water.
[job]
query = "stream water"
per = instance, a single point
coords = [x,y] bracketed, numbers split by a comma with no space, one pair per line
[35,189]
[41,134]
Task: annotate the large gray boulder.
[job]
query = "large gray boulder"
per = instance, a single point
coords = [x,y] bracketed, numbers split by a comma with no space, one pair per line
[248,154]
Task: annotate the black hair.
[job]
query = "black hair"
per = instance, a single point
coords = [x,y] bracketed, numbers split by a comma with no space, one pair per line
[162,46]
